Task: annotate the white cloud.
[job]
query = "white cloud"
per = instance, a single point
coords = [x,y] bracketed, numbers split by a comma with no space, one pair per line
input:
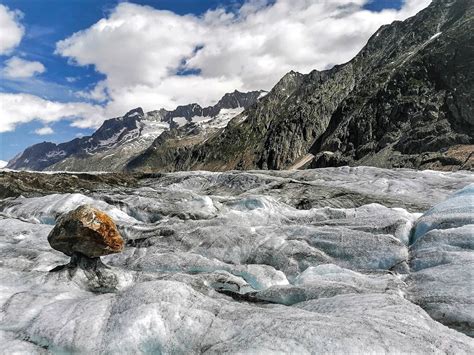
[11,31]
[3,164]
[44,131]
[141,50]
[23,108]
[98,93]
[16,67]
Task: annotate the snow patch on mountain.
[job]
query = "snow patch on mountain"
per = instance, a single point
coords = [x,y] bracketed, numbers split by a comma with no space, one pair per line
[180,121]
[220,120]
[56,153]
[262,94]
[134,114]
[435,35]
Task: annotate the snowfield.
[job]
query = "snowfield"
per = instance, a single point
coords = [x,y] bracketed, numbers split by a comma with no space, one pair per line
[338,260]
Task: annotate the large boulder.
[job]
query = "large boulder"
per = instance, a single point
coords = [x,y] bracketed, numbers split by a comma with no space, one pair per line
[87,231]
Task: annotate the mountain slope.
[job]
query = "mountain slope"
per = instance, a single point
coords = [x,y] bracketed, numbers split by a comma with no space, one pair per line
[113,153]
[404,100]
[131,133]
[177,149]
[424,105]
[120,139]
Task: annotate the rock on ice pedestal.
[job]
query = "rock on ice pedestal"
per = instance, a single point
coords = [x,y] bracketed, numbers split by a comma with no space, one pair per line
[87,231]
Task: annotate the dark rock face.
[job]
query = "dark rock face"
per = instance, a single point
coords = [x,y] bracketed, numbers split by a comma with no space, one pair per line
[87,231]
[36,156]
[170,151]
[413,109]
[404,101]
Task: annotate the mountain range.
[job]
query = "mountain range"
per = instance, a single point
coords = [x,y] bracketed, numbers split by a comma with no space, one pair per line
[121,139]
[405,100]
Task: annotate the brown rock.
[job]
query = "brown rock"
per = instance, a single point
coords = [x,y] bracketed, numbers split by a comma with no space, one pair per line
[87,231]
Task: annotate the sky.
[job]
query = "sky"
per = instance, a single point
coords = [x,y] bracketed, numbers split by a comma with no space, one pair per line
[66,66]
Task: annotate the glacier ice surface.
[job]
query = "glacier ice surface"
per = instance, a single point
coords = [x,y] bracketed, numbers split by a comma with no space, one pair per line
[316,261]
[442,281]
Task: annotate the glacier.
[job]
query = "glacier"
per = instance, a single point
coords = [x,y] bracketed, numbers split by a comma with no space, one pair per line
[337,260]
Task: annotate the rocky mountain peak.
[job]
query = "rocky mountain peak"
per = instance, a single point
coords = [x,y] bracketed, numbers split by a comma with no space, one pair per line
[238,99]
[286,85]
[235,100]
[135,112]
